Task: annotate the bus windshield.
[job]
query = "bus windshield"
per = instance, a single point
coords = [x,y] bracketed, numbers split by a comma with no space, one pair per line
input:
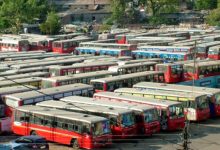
[46,84]
[128,119]
[98,86]
[150,116]
[100,128]
[176,111]
[202,102]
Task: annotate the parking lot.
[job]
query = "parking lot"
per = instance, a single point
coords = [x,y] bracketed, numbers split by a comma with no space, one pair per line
[203,136]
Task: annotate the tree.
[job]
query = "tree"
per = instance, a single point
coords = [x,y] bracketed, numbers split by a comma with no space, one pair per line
[52,25]
[16,12]
[205,4]
[118,10]
[213,18]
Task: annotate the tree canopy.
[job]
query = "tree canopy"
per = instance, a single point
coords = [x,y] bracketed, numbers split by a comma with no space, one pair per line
[214,17]
[205,4]
[13,13]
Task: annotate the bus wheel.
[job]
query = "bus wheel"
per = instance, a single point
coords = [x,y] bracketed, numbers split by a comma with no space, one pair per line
[75,144]
[33,133]
[164,126]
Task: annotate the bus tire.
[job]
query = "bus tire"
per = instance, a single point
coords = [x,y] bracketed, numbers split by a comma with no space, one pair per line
[75,144]
[33,133]
[164,126]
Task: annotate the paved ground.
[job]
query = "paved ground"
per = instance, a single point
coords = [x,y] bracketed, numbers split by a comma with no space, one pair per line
[203,136]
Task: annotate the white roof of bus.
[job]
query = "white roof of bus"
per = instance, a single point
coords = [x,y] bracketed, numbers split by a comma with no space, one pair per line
[48,91]
[126,76]
[78,76]
[208,44]
[176,87]
[165,47]
[160,52]
[142,100]
[61,114]
[15,89]
[135,65]
[16,81]
[73,40]
[203,63]
[100,48]
[104,44]
[26,75]
[182,62]
[105,103]
[82,107]
[153,92]
[78,65]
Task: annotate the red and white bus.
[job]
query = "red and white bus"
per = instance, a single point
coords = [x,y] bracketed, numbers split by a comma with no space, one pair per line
[122,121]
[68,46]
[39,44]
[196,105]
[32,97]
[76,78]
[214,53]
[75,129]
[201,69]
[14,44]
[213,94]
[126,80]
[146,117]
[80,68]
[204,47]
[171,113]
[109,45]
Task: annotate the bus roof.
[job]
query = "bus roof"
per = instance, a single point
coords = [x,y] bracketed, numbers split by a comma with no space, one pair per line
[161,52]
[61,114]
[82,107]
[105,44]
[78,76]
[177,87]
[135,65]
[126,76]
[73,40]
[174,47]
[79,65]
[182,62]
[202,64]
[26,75]
[100,49]
[106,103]
[142,100]
[14,89]
[165,93]
[48,91]
[16,81]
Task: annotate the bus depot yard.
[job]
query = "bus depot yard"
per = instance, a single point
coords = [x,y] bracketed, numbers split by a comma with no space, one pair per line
[131,90]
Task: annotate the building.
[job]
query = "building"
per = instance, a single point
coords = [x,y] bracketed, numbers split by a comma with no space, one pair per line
[82,10]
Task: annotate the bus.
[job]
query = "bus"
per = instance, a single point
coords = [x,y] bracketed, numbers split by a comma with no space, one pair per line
[168,48]
[173,72]
[67,36]
[204,47]
[32,97]
[80,68]
[212,38]
[186,35]
[48,63]
[214,52]
[39,44]
[122,121]
[146,117]
[69,45]
[133,68]
[76,78]
[201,69]
[34,81]
[103,51]
[14,44]
[26,75]
[213,94]
[127,80]
[108,45]
[169,56]
[153,43]
[75,129]
[171,113]
[196,106]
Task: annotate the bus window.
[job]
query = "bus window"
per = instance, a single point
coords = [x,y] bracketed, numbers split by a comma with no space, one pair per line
[98,86]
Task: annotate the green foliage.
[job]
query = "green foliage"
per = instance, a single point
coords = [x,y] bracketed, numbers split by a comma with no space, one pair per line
[14,13]
[205,4]
[213,18]
[52,25]
[118,10]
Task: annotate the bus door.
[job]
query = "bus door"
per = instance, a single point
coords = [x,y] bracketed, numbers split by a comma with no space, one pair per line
[163,119]
[211,99]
